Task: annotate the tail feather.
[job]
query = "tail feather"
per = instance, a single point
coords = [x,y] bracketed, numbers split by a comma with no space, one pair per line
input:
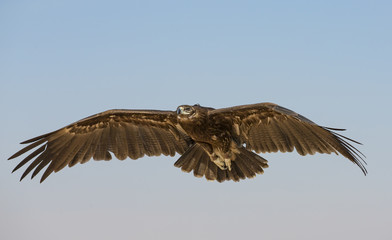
[252,166]
[244,168]
[233,175]
[222,175]
[254,161]
[191,163]
[201,167]
[246,165]
[240,173]
[202,162]
[211,171]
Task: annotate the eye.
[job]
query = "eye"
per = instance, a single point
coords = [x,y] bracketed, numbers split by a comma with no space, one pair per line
[188,109]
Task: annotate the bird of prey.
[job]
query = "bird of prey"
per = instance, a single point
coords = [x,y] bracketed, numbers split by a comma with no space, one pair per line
[219,144]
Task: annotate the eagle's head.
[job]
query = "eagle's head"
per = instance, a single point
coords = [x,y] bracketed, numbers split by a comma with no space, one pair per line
[186,111]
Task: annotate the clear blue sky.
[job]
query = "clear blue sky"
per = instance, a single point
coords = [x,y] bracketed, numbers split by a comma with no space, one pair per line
[331,61]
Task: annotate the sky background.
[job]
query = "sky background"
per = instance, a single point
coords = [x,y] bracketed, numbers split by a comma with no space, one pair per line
[330,61]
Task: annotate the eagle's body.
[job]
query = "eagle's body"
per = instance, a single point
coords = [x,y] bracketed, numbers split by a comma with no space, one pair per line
[214,133]
[215,143]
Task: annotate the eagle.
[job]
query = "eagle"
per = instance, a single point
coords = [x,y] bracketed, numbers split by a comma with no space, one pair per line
[219,144]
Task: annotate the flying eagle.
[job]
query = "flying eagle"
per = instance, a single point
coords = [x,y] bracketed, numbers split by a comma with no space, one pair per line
[215,143]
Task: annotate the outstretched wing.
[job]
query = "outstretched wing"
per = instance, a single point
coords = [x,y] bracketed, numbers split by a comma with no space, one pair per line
[126,133]
[267,127]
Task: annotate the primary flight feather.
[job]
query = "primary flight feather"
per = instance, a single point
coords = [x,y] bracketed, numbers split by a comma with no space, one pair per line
[215,143]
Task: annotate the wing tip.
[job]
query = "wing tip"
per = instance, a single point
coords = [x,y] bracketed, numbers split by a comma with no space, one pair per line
[364,170]
[31,140]
[334,129]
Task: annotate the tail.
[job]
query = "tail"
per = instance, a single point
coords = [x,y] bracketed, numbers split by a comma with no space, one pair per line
[246,165]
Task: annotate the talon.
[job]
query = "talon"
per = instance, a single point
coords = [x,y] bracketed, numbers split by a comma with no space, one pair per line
[220,164]
[228,164]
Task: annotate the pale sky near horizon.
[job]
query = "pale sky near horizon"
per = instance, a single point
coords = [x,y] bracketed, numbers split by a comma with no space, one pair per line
[327,60]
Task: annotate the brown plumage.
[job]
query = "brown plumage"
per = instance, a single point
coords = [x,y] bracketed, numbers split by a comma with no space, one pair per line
[215,143]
